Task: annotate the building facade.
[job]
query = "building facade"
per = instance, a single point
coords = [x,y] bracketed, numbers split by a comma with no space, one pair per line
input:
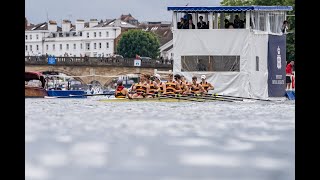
[91,39]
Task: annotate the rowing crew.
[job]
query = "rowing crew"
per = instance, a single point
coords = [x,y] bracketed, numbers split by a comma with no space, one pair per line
[149,86]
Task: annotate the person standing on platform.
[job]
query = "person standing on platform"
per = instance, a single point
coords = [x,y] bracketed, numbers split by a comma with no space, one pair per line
[289,73]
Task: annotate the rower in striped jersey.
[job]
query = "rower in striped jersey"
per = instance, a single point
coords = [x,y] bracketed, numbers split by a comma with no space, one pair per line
[206,85]
[141,88]
[196,88]
[172,87]
[161,87]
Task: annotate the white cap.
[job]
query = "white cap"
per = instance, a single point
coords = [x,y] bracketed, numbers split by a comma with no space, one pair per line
[203,77]
[158,76]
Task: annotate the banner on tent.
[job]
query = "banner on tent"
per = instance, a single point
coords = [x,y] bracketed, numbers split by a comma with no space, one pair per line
[276,65]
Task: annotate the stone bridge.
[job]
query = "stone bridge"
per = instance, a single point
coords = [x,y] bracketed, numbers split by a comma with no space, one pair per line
[88,69]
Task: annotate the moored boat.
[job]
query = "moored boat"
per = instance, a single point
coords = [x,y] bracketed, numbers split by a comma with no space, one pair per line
[35,83]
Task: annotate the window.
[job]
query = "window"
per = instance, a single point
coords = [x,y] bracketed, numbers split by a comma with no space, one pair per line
[74,46]
[53,35]
[88,46]
[81,46]
[80,33]
[37,36]
[257,63]
[26,47]
[107,45]
[99,45]
[95,45]
[37,47]
[26,37]
[210,63]
[47,47]
[60,46]
[107,33]
[87,34]
[67,46]
[53,47]
[30,47]
[99,34]
[30,36]
[94,34]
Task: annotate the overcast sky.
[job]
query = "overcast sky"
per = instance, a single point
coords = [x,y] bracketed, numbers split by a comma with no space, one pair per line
[143,10]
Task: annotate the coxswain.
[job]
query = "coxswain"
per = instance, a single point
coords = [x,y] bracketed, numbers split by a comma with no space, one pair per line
[121,91]
[141,88]
[196,88]
[206,85]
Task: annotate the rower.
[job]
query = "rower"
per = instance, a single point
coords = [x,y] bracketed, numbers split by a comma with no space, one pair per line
[161,87]
[196,88]
[152,87]
[121,91]
[172,86]
[183,87]
[141,88]
[206,85]
[186,85]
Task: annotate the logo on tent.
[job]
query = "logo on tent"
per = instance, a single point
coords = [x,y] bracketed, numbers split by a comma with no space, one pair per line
[278,58]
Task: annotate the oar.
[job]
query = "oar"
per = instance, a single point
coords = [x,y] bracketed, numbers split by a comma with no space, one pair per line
[102,94]
[217,95]
[227,98]
[210,98]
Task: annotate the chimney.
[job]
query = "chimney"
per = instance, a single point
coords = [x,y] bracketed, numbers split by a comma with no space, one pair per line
[66,25]
[93,22]
[52,26]
[25,23]
[79,25]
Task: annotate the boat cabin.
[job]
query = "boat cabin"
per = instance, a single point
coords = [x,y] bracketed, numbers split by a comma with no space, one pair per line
[240,49]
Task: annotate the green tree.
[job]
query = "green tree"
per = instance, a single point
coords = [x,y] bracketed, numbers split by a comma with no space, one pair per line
[291,20]
[139,42]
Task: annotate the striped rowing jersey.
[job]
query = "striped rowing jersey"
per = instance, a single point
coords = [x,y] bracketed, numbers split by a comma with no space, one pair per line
[160,88]
[195,89]
[205,85]
[118,93]
[152,88]
[171,87]
[141,88]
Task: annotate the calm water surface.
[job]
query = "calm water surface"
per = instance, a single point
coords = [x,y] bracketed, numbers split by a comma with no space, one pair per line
[85,139]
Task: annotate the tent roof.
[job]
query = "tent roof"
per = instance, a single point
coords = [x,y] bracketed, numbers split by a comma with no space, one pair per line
[228,8]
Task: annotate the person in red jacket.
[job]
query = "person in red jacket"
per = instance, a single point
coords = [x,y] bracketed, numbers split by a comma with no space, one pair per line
[289,73]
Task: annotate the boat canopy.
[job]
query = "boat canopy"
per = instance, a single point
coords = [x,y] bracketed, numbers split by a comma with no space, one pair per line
[228,8]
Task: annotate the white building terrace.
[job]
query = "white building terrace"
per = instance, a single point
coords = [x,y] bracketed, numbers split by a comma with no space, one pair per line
[93,38]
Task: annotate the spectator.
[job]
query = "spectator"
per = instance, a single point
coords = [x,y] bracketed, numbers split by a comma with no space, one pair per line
[226,23]
[236,22]
[201,24]
[190,25]
[201,66]
[289,73]
[181,24]
[284,27]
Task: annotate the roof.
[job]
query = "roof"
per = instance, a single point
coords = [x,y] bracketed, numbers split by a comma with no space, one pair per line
[228,8]
[119,23]
[168,48]
[40,26]
[164,33]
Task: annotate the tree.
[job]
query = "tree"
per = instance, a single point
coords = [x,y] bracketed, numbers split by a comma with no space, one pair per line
[291,20]
[139,42]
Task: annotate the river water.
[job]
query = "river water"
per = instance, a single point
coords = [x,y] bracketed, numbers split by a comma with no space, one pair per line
[86,139]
